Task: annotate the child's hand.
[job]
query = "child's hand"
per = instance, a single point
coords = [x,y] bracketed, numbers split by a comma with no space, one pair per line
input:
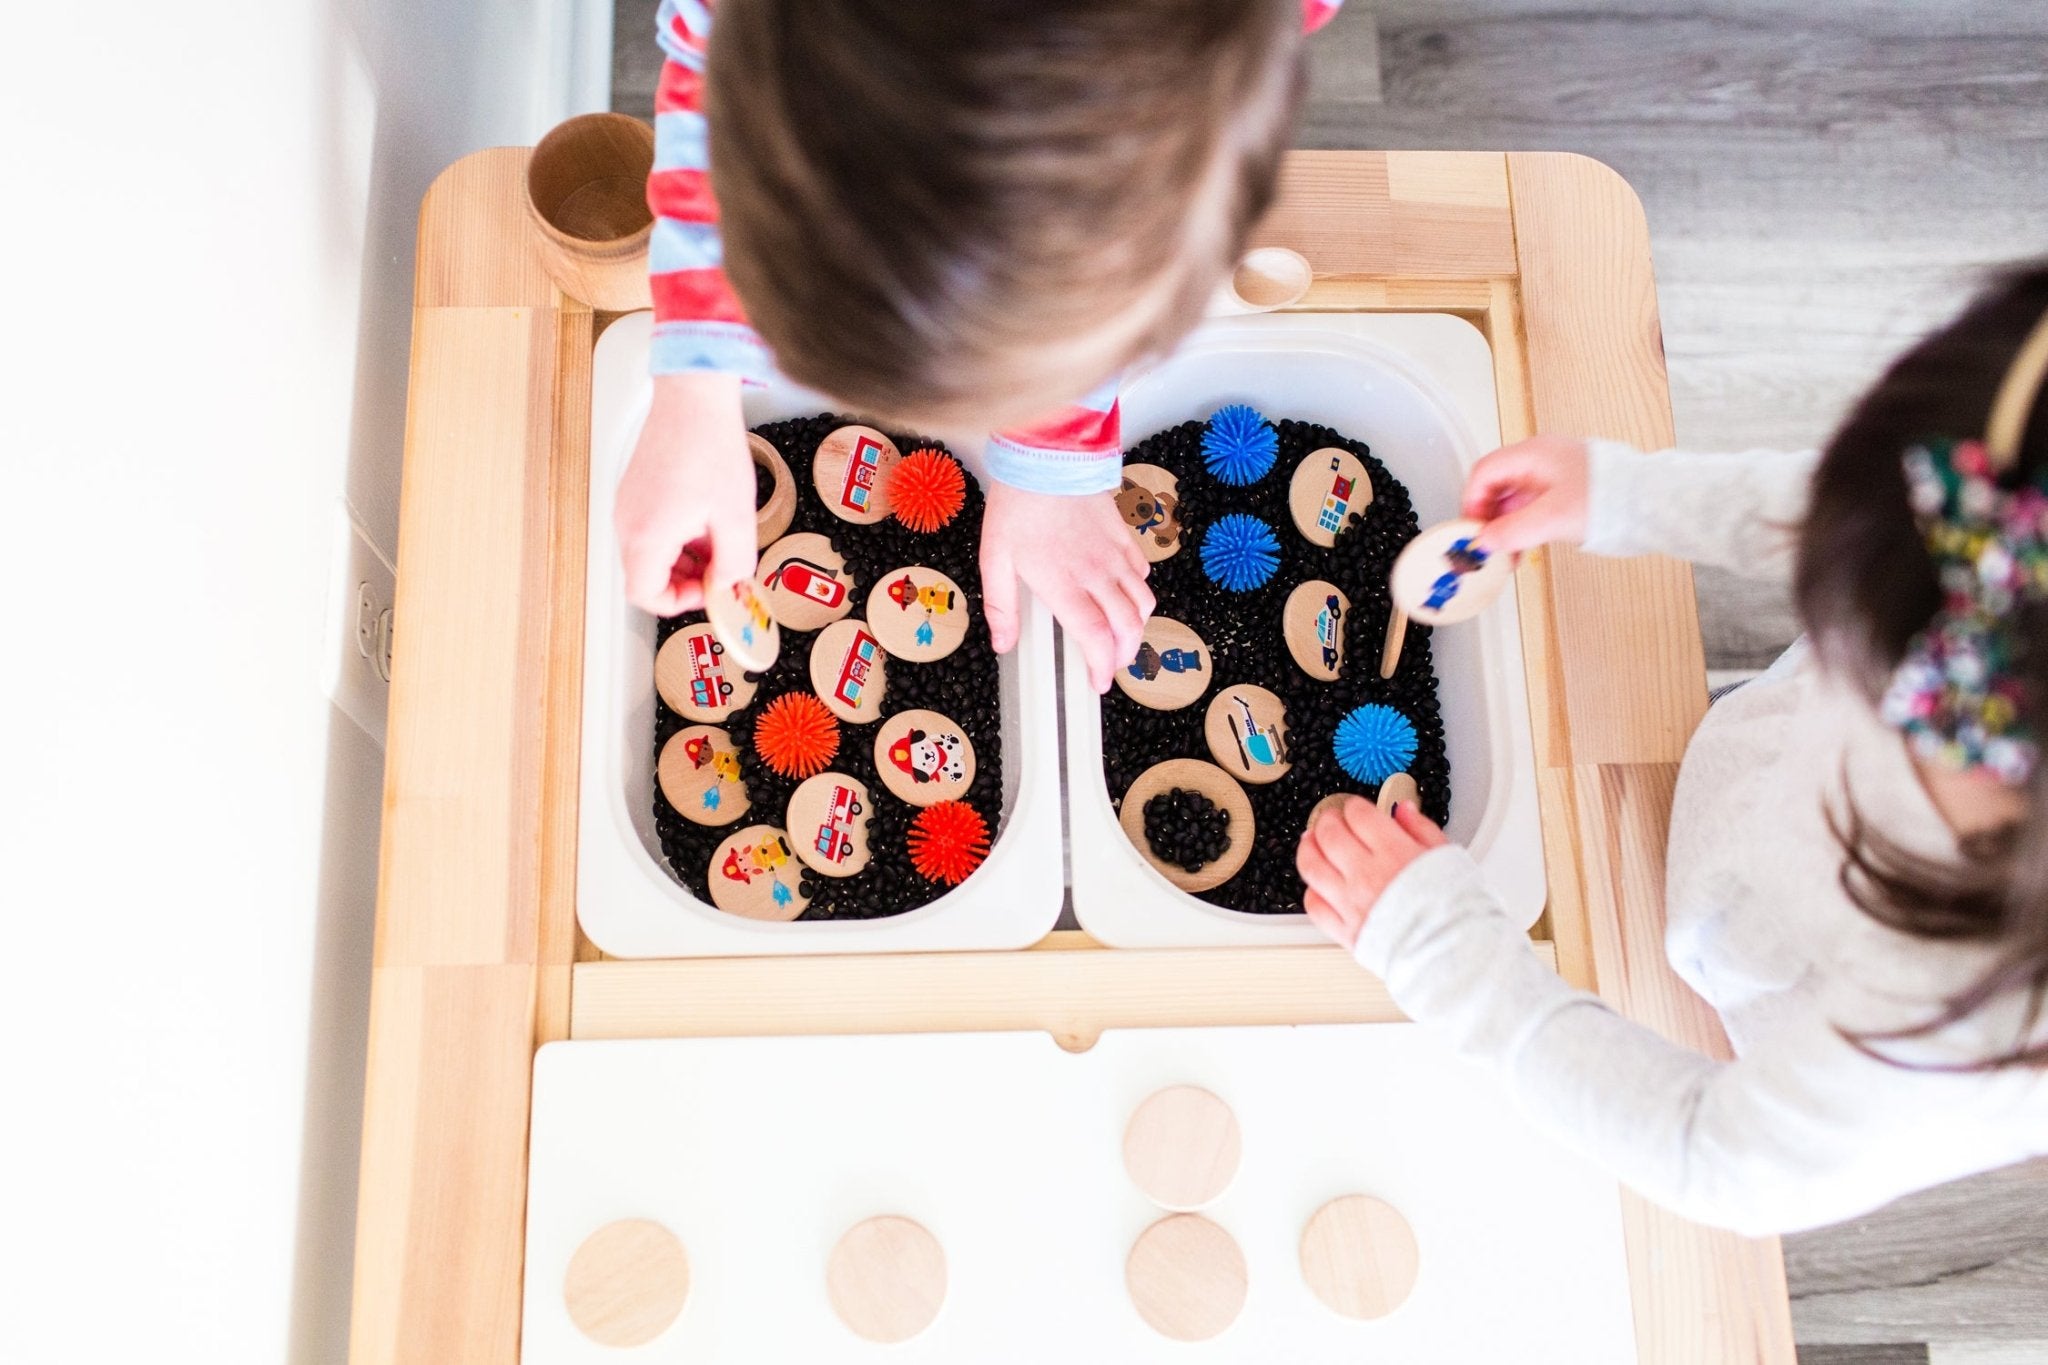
[1079,556]
[1351,854]
[1530,494]
[685,506]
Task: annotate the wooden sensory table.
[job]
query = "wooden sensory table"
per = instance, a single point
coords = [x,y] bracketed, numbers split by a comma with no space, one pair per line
[478,957]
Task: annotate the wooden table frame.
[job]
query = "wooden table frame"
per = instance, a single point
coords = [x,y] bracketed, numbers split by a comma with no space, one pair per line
[478,958]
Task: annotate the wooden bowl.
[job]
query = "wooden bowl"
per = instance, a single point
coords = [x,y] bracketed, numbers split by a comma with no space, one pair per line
[586,194]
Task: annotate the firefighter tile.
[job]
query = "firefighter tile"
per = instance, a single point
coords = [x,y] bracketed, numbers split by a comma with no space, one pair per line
[743,624]
[851,471]
[754,874]
[805,582]
[1171,668]
[699,773]
[847,671]
[1247,732]
[918,614]
[1328,492]
[924,758]
[696,679]
[828,824]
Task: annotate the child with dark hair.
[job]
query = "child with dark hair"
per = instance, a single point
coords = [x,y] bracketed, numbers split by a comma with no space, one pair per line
[960,216]
[1858,867]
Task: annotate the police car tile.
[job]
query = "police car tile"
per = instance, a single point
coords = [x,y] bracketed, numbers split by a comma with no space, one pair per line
[696,679]
[1313,624]
[918,614]
[828,824]
[924,758]
[848,670]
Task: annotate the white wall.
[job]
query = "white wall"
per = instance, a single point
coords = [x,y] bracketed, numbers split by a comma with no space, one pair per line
[208,217]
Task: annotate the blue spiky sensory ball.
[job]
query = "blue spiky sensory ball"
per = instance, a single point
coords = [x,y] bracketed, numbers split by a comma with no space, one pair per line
[1374,742]
[1239,445]
[1240,552]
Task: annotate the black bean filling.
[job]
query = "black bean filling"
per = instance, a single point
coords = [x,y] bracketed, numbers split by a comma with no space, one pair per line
[1186,828]
[1244,634]
[964,686]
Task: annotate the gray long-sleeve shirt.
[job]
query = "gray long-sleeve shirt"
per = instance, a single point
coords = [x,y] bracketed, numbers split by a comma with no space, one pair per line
[1803,1128]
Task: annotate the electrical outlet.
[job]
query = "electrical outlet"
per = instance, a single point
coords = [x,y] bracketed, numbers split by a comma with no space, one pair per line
[361,594]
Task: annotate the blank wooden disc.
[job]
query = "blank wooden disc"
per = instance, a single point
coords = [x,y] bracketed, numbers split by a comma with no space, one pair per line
[1359,1256]
[772,517]
[695,677]
[1436,581]
[753,874]
[1182,1147]
[1246,727]
[1171,668]
[1313,623]
[1149,498]
[1186,1277]
[828,824]
[1212,782]
[1333,802]
[887,1278]
[851,471]
[1330,489]
[1399,787]
[805,581]
[924,758]
[744,625]
[699,776]
[918,614]
[849,670]
[627,1283]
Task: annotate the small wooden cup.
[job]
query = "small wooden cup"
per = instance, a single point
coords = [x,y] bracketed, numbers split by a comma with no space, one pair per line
[586,192]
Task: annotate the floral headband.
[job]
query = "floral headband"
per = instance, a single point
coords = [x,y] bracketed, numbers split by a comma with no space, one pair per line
[1959,696]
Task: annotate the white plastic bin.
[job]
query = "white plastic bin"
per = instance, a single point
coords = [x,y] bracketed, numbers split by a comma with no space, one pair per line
[1418,389]
[627,900]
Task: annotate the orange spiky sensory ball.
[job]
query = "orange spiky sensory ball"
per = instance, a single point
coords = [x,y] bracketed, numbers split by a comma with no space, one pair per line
[796,735]
[928,489]
[947,841]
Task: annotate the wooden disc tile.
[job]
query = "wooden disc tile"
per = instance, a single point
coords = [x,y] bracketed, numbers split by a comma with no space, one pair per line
[1313,623]
[851,471]
[1330,489]
[1334,801]
[887,1278]
[1149,498]
[1399,787]
[1359,1256]
[918,614]
[753,874]
[805,581]
[699,775]
[627,1283]
[1182,1147]
[744,625]
[1246,727]
[1186,1277]
[772,517]
[1171,668]
[1439,578]
[1190,774]
[924,758]
[848,671]
[828,823]
[696,679]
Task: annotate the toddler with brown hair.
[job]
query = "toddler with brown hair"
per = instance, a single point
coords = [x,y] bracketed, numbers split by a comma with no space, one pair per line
[957,216]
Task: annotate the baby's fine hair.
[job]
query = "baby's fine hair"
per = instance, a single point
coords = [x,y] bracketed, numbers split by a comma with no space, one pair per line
[1865,587]
[920,201]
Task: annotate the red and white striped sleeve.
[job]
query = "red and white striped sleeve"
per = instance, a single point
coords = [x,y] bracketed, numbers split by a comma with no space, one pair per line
[698,321]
